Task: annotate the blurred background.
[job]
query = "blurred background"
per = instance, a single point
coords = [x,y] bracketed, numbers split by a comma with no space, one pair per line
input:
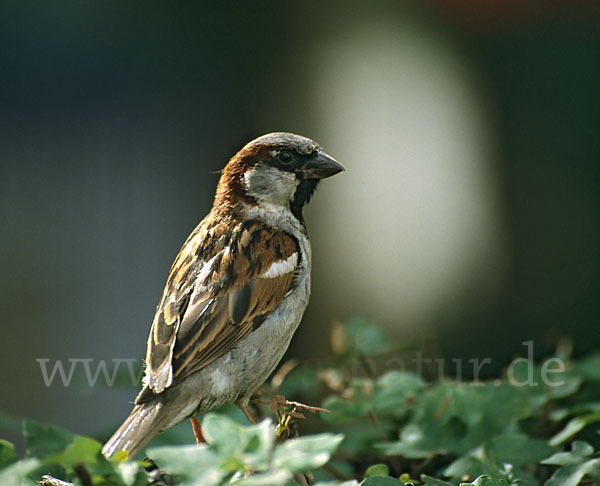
[469,215]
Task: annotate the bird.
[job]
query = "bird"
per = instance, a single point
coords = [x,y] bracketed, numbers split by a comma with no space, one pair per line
[235,294]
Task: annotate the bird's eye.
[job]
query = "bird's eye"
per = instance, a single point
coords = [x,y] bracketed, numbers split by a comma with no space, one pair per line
[285,157]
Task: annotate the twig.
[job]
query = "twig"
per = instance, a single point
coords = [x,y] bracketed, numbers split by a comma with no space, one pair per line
[442,408]
[83,475]
[304,479]
[382,437]
[377,425]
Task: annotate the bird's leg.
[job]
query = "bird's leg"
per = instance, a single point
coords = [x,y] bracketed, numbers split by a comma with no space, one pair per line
[198,431]
[247,412]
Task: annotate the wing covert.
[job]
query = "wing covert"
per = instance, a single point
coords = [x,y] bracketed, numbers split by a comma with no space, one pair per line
[219,289]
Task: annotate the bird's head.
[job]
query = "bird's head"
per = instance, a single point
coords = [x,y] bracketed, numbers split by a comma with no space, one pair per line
[276,170]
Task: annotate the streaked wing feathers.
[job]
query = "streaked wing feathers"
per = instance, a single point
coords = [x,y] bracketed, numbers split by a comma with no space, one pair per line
[221,286]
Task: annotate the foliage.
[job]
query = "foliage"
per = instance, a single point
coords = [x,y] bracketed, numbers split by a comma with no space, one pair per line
[382,429]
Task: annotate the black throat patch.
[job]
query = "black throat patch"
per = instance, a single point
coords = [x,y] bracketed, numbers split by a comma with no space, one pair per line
[303,193]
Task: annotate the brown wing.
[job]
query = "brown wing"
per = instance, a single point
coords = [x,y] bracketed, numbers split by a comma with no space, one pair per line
[222,285]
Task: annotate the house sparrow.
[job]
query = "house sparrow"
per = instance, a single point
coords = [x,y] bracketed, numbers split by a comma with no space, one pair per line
[236,292]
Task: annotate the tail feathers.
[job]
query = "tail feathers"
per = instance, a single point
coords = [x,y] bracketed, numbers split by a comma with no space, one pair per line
[144,422]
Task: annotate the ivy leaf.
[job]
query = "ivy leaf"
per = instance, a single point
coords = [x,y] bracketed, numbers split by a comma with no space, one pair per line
[572,475]
[388,396]
[273,478]
[575,465]
[130,473]
[364,338]
[377,470]
[529,379]
[472,465]
[352,482]
[381,481]
[429,481]
[235,444]
[306,452]
[590,367]
[7,454]
[487,481]
[574,426]
[300,380]
[16,474]
[579,452]
[343,410]
[82,450]
[517,449]
[188,463]
[457,418]
[44,440]
[393,392]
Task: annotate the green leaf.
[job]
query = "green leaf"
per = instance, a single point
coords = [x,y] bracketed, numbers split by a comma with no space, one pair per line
[457,418]
[574,426]
[517,449]
[579,452]
[249,445]
[590,367]
[473,465]
[575,463]
[82,450]
[572,475]
[393,392]
[365,338]
[16,474]
[528,379]
[7,454]
[388,396]
[342,410]
[234,449]
[222,433]
[377,470]
[44,440]
[300,380]
[429,481]
[131,474]
[487,481]
[306,452]
[358,437]
[381,481]
[273,478]
[189,462]
[352,482]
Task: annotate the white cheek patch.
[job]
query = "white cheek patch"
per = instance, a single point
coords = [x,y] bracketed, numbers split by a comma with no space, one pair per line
[269,185]
[281,267]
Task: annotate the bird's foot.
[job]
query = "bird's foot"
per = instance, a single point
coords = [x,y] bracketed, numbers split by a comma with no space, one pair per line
[287,410]
[276,403]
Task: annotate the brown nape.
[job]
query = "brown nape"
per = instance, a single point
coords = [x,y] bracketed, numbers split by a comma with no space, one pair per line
[230,190]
